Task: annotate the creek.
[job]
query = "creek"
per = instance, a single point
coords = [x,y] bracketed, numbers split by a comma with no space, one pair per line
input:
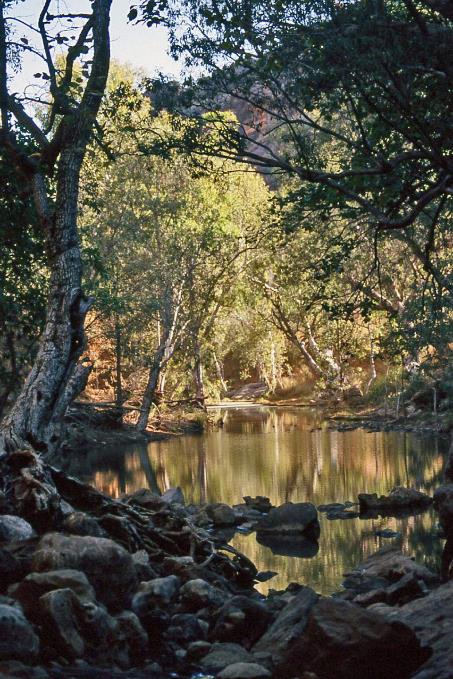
[288,455]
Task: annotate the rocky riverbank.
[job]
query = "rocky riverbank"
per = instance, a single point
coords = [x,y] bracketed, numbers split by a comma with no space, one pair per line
[147,587]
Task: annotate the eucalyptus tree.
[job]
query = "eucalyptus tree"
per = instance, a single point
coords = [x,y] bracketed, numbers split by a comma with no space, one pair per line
[50,172]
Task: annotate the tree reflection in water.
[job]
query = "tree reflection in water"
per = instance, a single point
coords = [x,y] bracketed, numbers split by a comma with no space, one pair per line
[289,455]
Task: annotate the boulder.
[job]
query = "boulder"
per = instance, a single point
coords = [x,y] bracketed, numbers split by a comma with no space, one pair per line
[59,612]
[221,514]
[197,594]
[341,641]
[184,628]
[223,654]
[173,495]
[160,590]
[260,503]
[134,634]
[431,618]
[301,517]
[242,620]
[244,670]
[35,585]
[398,499]
[13,529]
[17,637]
[288,625]
[390,564]
[107,565]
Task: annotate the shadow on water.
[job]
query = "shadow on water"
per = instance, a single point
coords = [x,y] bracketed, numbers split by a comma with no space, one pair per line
[289,455]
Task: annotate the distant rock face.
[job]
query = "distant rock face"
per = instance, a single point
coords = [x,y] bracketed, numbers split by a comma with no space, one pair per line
[13,528]
[17,638]
[301,517]
[107,565]
[341,641]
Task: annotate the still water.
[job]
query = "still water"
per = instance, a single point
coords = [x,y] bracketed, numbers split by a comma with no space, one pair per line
[287,454]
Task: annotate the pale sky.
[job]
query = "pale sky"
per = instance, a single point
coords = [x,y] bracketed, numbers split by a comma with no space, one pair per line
[139,46]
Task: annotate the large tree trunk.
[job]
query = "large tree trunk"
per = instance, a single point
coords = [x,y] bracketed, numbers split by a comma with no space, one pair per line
[198,376]
[57,376]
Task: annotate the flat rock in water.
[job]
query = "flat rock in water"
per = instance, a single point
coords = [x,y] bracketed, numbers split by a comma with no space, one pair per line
[300,517]
[390,563]
[399,498]
[107,565]
[13,529]
[17,637]
[342,641]
[289,544]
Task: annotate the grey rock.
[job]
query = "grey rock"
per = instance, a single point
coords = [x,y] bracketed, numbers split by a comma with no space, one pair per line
[390,563]
[301,517]
[134,634]
[198,593]
[107,565]
[146,498]
[10,569]
[244,670]
[198,649]
[59,610]
[221,514]
[173,495]
[288,625]
[242,620]
[35,585]
[161,590]
[79,523]
[17,637]
[13,529]
[223,654]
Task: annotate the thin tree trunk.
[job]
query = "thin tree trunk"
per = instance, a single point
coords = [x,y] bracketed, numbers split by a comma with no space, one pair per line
[220,373]
[149,395]
[198,376]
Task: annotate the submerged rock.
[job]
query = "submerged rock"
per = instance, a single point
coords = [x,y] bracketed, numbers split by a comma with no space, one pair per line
[301,517]
[107,565]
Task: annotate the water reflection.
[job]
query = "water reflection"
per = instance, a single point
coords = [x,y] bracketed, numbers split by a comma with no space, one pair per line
[287,455]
